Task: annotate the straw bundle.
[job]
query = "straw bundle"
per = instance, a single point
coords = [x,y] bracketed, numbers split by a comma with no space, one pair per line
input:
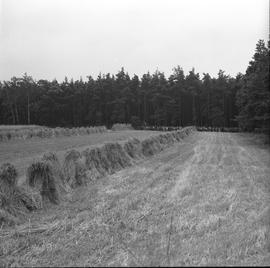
[75,170]
[47,178]
[14,201]
[133,148]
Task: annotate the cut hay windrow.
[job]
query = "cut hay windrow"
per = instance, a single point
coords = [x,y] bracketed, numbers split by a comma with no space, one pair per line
[15,202]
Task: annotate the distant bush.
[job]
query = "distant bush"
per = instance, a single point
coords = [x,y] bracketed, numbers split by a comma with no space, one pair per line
[119,126]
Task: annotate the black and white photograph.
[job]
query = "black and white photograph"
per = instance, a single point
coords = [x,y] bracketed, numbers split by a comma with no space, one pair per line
[134,133]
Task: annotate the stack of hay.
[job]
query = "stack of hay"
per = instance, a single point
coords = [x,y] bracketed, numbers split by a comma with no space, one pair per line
[106,159]
[75,171]
[46,177]
[133,148]
[15,202]
[151,146]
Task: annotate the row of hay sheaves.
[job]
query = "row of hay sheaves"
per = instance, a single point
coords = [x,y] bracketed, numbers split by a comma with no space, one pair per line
[219,129]
[45,132]
[49,181]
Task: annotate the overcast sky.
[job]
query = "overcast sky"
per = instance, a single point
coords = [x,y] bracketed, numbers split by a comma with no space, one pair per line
[57,38]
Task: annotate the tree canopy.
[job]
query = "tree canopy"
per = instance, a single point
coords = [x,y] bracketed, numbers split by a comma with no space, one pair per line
[179,100]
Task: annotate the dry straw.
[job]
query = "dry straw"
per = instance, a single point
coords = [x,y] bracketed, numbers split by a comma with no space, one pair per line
[47,178]
[14,201]
[53,181]
[133,148]
[51,158]
[74,169]
[49,181]
[116,155]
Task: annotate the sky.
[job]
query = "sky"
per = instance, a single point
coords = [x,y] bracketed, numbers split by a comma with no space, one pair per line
[50,39]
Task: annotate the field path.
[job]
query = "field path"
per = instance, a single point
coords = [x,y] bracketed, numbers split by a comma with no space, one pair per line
[205,201]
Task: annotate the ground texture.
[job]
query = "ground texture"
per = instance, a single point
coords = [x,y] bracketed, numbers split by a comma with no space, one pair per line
[205,201]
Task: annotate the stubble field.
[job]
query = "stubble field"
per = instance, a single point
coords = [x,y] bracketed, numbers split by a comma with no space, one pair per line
[204,201]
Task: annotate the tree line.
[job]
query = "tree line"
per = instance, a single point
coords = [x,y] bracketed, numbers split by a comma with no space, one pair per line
[179,100]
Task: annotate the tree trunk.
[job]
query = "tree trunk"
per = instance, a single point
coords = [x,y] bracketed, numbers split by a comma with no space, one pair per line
[11,108]
[16,114]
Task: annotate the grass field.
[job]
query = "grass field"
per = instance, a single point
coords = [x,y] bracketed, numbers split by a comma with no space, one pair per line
[22,152]
[204,201]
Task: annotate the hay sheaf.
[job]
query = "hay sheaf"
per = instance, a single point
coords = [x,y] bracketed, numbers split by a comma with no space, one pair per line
[75,170]
[156,144]
[52,159]
[151,146]
[111,157]
[106,159]
[46,177]
[92,162]
[41,177]
[15,202]
[53,181]
[116,155]
[133,148]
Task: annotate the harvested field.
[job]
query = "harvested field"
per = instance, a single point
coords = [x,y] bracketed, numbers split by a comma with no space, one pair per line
[17,127]
[202,201]
[29,132]
[22,152]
